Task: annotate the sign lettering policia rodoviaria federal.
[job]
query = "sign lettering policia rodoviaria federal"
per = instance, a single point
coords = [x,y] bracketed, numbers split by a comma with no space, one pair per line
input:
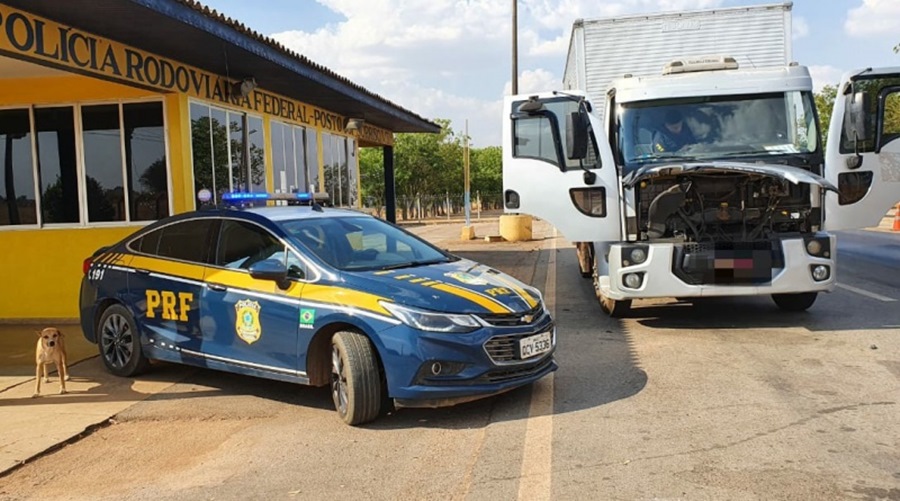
[25,36]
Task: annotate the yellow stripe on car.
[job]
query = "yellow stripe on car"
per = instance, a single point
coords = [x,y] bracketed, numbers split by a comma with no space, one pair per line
[532,302]
[344,297]
[173,268]
[488,303]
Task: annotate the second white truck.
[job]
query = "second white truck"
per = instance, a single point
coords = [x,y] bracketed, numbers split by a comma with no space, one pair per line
[742,202]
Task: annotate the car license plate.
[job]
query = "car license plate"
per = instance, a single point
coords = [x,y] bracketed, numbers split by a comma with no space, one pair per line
[535,345]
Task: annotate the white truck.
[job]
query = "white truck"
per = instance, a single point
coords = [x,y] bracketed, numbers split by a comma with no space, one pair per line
[745,208]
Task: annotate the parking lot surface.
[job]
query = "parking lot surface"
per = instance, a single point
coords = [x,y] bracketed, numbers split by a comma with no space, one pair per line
[717,399]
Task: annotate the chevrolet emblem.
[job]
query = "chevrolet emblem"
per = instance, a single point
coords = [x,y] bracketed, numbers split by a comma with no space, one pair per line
[526,319]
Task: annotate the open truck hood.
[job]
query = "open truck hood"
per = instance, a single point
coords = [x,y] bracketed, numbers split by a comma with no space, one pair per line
[794,175]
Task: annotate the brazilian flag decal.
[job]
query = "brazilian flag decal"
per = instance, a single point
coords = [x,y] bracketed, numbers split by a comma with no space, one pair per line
[307,318]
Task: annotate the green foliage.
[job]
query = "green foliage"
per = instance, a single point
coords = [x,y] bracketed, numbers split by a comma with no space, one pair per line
[825,104]
[428,165]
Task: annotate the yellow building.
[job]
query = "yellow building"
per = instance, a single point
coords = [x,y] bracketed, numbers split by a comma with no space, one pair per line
[115,113]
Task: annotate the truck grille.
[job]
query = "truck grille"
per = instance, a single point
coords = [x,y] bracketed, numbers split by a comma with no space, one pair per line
[728,263]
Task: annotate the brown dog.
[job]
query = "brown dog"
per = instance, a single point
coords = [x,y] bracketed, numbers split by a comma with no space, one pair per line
[51,349]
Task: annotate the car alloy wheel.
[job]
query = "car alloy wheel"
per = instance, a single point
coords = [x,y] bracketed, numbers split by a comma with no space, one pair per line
[120,343]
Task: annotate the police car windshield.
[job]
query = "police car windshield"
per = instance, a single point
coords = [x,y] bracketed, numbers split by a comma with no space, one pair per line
[361,243]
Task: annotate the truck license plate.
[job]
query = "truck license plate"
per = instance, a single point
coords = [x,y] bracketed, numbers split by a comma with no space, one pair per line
[535,345]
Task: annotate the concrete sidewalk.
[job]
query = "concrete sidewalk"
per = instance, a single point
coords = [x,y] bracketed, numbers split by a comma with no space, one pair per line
[30,427]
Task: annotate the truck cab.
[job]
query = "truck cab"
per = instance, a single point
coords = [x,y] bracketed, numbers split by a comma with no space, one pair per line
[707,179]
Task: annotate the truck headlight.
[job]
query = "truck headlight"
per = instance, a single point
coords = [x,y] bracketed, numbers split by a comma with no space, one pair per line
[431,321]
[818,246]
[633,255]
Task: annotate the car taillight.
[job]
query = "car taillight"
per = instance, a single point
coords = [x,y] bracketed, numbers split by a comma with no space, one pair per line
[86,265]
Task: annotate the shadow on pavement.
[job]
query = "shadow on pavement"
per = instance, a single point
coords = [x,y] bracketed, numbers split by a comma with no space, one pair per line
[598,364]
[829,313]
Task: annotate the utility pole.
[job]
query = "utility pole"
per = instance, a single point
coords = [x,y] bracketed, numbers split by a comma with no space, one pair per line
[466,178]
[515,47]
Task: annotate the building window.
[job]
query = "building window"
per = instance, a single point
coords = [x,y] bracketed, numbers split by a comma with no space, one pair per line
[17,197]
[103,163]
[228,151]
[57,165]
[294,158]
[145,161]
[125,162]
[123,177]
[341,169]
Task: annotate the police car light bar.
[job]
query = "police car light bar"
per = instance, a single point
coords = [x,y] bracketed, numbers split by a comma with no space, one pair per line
[249,199]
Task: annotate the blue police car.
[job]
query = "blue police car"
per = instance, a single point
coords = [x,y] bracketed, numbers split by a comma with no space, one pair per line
[318,296]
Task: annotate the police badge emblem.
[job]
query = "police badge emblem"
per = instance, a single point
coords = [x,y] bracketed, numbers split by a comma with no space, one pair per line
[247,321]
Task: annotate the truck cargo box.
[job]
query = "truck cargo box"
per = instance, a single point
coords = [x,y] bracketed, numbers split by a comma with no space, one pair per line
[603,49]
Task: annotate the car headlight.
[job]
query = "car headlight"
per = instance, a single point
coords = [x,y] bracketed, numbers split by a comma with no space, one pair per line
[431,320]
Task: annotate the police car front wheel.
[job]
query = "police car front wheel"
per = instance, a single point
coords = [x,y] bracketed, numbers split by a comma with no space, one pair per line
[355,379]
[120,343]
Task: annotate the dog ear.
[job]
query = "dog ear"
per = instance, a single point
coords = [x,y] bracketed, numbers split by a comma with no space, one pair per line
[60,333]
[39,333]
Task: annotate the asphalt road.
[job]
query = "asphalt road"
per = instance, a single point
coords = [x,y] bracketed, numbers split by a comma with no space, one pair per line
[721,399]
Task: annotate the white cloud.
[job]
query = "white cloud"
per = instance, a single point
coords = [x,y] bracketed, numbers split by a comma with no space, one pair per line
[451,58]
[825,75]
[535,81]
[800,28]
[874,18]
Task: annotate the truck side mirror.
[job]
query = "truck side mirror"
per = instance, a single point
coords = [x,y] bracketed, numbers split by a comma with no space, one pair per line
[855,124]
[576,135]
[855,116]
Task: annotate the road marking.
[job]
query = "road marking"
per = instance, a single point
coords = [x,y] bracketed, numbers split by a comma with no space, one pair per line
[867,293]
[535,478]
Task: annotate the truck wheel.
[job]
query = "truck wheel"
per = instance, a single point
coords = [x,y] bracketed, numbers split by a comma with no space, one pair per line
[795,302]
[120,343]
[585,253]
[355,379]
[614,308]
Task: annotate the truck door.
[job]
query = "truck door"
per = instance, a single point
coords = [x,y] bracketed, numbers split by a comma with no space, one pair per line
[557,166]
[863,152]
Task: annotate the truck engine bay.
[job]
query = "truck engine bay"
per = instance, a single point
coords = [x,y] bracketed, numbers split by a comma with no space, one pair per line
[722,207]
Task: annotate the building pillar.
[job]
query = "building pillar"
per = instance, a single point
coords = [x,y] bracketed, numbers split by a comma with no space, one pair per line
[390,198]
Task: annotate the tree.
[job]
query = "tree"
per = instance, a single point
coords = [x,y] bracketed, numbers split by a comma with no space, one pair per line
[427,167]
[825,104]
[487,169]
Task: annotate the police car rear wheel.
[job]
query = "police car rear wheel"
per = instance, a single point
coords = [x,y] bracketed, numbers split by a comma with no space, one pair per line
[355,380]
[120,343]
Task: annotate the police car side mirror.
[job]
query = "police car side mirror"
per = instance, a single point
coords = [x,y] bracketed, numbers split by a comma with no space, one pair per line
[270,269]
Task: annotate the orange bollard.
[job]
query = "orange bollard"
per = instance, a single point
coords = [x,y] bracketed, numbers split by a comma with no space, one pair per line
[897,218]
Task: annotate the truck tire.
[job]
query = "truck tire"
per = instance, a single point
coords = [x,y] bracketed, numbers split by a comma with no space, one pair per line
[795,302]
[355,378]
[614,308]
[585,253]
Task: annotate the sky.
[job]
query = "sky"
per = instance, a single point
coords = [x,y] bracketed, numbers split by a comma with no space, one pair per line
[451,59]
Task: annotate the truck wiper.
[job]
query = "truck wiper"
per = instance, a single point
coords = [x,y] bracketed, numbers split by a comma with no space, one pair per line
[669,158]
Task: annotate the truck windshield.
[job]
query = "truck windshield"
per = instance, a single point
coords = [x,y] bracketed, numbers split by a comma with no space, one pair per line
[720,127]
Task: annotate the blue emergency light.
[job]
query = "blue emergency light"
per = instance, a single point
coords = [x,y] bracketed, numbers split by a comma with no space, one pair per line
[253,199]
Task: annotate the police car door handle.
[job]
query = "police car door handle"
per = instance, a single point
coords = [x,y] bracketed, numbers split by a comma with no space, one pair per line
[217,287]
